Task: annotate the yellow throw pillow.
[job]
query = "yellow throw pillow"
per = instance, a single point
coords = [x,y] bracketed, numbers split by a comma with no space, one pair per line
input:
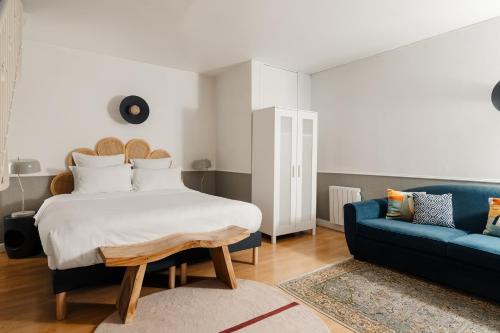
[493,225]
[400,205]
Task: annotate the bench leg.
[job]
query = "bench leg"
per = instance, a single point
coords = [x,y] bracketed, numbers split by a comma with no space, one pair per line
[223,266]
[171,277]
[61,306]
[255,256]
[183,273]
[130,292]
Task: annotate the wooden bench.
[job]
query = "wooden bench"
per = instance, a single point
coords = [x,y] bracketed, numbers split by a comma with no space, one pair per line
[135,257]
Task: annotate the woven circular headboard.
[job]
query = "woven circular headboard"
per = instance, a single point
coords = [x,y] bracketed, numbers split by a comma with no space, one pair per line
[136,148]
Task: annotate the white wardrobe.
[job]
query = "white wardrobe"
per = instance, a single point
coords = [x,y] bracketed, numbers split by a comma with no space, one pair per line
[284,169]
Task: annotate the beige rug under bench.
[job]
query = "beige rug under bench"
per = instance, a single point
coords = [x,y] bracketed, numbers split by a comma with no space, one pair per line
[209,306]
[370,298]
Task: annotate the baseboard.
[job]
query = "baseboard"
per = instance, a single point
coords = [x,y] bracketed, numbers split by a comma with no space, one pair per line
[2,247]
[329,225]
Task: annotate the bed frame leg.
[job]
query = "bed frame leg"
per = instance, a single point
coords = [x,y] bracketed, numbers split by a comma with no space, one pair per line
[61,306]
[255,256]
[171,277]
[183,273]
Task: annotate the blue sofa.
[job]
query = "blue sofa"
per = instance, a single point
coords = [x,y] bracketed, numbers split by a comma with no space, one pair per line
[463,258]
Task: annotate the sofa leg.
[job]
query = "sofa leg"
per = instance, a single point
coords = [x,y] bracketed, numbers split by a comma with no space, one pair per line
[171,277]
[183,273]
[255,256]
[61,306]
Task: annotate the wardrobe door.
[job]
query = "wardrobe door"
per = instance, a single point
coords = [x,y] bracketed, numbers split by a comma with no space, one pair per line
[306,170]
[286,170]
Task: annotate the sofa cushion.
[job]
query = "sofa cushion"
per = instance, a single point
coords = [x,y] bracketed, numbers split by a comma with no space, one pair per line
[470,203]
[480,250]
[425,238]
[493,224]
[433,209]
[400,205]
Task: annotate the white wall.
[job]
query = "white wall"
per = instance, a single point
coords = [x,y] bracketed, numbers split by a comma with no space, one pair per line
[422,110]
[68,98]
[273,86]
[234,118]
[245,87]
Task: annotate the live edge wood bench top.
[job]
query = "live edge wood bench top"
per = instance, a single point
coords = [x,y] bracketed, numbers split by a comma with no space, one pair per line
[136,256]
[147,252]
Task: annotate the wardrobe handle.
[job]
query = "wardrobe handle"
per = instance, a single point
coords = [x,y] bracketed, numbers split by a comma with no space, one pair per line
[293,171]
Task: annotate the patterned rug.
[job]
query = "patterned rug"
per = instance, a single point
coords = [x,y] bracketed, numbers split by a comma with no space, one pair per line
[370,298]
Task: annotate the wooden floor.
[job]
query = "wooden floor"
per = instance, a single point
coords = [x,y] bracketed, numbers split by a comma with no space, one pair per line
[27,302]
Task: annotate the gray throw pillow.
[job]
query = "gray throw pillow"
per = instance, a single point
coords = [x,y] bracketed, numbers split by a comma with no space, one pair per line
[433,209]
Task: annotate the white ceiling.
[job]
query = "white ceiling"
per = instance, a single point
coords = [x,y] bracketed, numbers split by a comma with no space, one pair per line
[203,35]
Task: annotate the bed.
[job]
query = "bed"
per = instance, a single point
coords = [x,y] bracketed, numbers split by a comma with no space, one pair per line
[73,226]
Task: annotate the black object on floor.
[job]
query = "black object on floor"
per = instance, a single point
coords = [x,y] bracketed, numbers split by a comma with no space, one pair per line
[21,237]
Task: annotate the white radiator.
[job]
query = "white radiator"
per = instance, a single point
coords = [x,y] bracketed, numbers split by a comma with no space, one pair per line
[339,196]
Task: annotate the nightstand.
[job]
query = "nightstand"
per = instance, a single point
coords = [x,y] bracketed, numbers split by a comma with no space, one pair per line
[21,237]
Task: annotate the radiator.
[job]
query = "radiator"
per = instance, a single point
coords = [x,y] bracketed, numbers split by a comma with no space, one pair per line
[339,196]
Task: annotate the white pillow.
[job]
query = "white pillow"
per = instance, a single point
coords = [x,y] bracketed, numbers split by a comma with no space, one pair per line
[157,179]
[154,163]
[102,180]
[83,160]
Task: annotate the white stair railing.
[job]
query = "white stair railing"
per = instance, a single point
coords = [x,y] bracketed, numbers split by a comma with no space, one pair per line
[11,12]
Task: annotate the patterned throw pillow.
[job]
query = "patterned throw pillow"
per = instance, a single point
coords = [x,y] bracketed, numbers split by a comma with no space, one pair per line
[433,209]
[400,205]
[493,225]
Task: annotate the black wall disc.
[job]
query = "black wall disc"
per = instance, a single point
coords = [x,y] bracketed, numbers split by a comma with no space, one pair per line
[495,96]
[134,109]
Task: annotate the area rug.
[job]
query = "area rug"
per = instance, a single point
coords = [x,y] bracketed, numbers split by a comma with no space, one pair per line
[370,298]
[209,306]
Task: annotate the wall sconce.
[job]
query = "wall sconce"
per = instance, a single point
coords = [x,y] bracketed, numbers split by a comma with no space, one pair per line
[495,96]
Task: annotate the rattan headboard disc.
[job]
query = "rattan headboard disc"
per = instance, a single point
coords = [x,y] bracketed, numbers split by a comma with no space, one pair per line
[69,158]
[62,183]
[136,148]
[158,153]
[109,146]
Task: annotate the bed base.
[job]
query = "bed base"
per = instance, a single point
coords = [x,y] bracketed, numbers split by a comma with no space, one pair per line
[61,303]
[74,278]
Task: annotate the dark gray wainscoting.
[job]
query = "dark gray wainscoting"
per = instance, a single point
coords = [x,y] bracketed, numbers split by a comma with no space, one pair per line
[192,179]
[371,186]
[37,189]
[233,185]
[238,186]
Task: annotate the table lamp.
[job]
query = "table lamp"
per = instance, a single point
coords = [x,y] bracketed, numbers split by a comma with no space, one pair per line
[23,167]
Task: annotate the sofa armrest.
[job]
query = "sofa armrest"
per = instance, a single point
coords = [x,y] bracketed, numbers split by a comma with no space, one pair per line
[357,211]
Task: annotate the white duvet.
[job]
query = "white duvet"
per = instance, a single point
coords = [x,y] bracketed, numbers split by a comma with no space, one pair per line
[73,226]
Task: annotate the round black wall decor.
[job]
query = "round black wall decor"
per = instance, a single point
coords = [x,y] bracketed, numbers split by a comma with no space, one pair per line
[134,109]
[495,96]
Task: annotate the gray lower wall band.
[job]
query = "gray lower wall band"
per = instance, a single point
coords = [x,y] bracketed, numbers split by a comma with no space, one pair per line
[231,185]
